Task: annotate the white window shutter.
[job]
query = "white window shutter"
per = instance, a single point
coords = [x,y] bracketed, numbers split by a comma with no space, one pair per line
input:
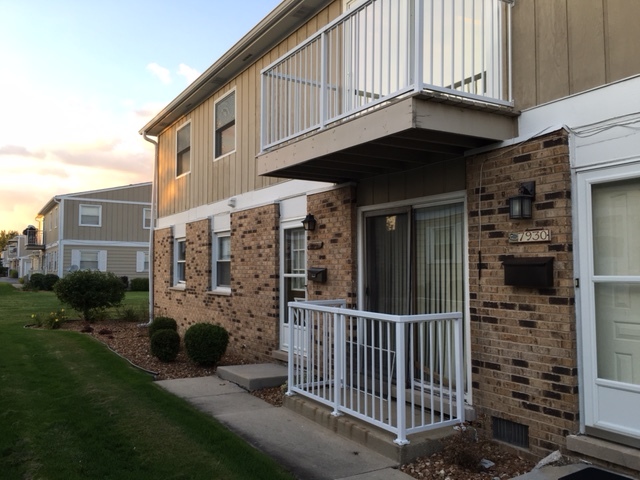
[139,261]
[102,260]
[75,258]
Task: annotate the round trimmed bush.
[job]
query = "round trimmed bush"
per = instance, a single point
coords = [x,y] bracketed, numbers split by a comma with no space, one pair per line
[162,323]
[206,343]
[165,345]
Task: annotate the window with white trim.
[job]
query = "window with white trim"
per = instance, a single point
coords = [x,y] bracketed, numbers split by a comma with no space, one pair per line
[89,259]
[142,261]
[183,150]
[225,125]
[90,215]
[180,261]
[146,218]
[221,268]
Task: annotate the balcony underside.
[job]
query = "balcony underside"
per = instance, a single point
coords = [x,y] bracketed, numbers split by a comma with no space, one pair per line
[397,137]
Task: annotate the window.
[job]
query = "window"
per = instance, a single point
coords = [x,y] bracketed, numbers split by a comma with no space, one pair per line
[89,260]
[90,215]
[183,150]
[180,257]
[225,125]
[142,261]
[146,218]
[222,261]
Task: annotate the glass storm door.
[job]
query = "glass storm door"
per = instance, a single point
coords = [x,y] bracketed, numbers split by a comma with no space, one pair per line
[611,305]
[292,276]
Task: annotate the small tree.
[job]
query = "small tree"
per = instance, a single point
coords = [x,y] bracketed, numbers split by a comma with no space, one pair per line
[89,291]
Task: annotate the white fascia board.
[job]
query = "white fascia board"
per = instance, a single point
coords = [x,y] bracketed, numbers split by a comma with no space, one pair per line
[585,108]
[265,196]
[103,243]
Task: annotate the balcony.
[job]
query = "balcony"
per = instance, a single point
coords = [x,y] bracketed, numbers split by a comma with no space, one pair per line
[400,373]
[35,240]
[386,87]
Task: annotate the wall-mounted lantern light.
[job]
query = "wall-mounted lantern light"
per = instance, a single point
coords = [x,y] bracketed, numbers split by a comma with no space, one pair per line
[309,223]
[521,206]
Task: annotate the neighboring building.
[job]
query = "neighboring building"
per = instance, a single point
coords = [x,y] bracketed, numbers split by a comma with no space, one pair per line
[15,256]
[408,129]
[106,230]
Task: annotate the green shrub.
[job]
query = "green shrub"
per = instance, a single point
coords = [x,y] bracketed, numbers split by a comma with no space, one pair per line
[139,285]
[125,281]
[165,345]
[162,323]
[36,281]
[13,273]
[90,292]
[50,279]
[206,343]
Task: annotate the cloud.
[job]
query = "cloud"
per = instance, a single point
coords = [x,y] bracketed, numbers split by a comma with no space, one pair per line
[18,150]
[162,73]
[187,72]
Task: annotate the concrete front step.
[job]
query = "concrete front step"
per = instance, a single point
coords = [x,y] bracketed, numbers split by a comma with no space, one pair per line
[371,437]
[254,377]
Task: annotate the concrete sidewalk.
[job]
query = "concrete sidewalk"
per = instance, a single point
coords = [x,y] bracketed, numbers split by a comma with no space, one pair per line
[306,449]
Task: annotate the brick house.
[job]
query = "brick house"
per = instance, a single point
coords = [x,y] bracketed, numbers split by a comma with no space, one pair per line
[491,174]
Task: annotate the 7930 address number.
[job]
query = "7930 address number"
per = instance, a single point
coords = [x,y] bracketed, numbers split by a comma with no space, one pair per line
[530,236]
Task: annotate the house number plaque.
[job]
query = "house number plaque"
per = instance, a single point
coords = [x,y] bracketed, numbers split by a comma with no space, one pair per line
[529,236]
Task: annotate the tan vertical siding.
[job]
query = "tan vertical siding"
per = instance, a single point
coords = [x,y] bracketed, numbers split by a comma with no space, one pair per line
[211,181]
[563,47]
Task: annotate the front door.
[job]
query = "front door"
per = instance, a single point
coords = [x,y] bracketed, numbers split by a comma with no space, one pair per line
[610,300]
[414,264]
[293,271]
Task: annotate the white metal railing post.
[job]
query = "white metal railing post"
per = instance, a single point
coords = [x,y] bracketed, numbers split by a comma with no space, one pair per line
[323,79]
[459,355]
[401,432]
[418,32]
[291,354]
[338,376]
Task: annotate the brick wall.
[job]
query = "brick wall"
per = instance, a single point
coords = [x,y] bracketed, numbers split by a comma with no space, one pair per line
[523,340]
[250,313]
[255,249]
[335,212]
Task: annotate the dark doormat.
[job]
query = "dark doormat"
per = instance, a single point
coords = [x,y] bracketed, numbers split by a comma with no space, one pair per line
[593,473]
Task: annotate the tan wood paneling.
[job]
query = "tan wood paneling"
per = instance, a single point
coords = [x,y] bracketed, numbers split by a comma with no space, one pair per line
[563,47]
[586,44]
[622,38]
[552,62]
[211,181]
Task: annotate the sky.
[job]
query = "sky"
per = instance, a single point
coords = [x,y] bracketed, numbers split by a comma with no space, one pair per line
[80,78]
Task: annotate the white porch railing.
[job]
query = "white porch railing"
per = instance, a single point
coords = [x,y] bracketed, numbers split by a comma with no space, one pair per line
[401,373]
[382,49]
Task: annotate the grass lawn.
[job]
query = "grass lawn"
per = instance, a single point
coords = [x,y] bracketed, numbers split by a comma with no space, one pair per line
[70,408]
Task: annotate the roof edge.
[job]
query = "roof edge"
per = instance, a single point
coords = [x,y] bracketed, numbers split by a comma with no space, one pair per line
[297,10]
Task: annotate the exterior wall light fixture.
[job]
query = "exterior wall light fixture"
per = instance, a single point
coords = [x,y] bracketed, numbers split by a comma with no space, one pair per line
[521,206]
[309,223]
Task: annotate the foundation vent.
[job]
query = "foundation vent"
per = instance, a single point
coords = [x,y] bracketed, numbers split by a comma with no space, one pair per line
[510,432]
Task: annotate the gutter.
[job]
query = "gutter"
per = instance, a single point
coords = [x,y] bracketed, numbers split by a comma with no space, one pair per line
[154,205]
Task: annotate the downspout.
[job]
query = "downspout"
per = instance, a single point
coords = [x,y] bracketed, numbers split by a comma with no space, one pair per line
[154,204]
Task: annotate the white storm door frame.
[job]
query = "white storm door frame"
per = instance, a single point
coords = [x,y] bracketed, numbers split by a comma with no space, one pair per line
[608,405]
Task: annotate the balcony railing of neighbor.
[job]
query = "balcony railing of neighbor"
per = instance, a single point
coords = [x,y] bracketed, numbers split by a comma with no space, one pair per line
[34,238]
[401,373]
[382,49]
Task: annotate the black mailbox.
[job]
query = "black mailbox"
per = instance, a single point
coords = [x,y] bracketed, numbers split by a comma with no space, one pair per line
[528,271]
[316,274]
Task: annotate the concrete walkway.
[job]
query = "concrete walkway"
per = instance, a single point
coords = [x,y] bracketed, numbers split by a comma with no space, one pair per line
[308,450]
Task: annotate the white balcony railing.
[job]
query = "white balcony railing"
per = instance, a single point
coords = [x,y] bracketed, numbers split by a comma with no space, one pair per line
[401,373]
[382,49]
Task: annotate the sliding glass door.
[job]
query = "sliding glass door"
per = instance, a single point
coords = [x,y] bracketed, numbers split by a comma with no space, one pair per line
[414,264]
